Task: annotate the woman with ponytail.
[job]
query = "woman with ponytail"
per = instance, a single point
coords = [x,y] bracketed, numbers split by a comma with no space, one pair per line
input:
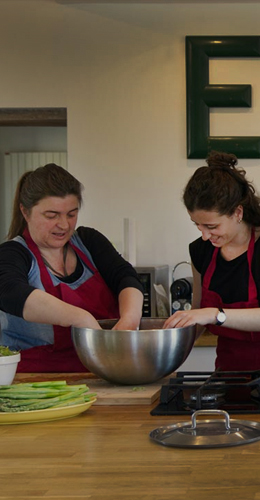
[53,276]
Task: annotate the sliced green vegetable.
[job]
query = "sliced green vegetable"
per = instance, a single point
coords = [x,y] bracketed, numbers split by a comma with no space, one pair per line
[38,396]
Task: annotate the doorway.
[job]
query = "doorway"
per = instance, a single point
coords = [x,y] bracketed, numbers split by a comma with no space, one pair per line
[28,129]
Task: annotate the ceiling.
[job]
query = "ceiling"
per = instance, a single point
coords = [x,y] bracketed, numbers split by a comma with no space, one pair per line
[129,2]
[157,16]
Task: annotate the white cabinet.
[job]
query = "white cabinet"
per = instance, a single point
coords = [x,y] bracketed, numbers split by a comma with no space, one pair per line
[200,359]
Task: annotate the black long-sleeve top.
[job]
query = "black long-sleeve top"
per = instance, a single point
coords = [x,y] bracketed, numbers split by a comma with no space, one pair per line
[15,263]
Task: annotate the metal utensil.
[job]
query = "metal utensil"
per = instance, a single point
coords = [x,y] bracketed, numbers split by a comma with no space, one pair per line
[207,433]
[133,356]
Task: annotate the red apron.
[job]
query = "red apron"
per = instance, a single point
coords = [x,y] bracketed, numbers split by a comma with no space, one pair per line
[237,350]
[94,296]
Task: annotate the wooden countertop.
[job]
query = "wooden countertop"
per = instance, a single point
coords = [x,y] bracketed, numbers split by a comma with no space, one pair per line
[106,453]
[207,339]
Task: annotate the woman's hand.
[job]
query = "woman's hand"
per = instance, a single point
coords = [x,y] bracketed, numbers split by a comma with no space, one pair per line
[192,317]
[130,309]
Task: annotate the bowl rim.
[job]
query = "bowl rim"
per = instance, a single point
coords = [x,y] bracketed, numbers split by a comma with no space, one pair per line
[12,358]
[137,331]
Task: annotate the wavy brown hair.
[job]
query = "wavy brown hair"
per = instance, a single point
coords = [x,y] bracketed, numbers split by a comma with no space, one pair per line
[33,186]
[222,187]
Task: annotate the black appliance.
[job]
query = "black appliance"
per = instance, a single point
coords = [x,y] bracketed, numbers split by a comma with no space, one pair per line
[233,391]
[181,290]
[181,294]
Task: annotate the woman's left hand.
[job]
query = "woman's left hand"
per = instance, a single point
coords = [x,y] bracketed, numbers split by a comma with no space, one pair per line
[192,317]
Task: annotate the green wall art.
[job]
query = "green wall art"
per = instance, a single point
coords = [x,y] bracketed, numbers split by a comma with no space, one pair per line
[201,95]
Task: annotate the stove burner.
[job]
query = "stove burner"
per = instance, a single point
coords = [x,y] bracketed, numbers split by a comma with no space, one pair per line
[200,400]
[255,393]
[205,403]
[208,397]
[234,392]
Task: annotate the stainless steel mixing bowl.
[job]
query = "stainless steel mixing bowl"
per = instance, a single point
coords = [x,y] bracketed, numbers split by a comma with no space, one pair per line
[133,356]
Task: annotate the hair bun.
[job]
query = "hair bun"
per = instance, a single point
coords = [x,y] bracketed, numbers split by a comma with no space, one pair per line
[216,159]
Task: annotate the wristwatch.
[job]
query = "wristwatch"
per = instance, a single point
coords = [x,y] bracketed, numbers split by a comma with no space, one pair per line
[221,317]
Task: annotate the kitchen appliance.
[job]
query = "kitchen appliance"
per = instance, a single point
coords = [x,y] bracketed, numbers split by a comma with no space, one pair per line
[181,291]
[234,392]
[150,276]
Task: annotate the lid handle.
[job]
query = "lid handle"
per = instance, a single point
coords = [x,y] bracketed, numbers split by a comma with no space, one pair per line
[210,412]
[193,427]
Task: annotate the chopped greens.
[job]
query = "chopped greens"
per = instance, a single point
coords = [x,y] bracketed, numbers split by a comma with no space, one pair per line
[42,395]
[5,351]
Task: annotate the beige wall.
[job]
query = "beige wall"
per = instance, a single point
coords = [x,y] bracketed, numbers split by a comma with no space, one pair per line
[120,71]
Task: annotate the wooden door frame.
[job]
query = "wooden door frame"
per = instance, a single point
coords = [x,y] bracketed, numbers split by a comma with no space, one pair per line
[33,117]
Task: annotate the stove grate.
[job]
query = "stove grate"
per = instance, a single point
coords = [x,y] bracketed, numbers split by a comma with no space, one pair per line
[235,392]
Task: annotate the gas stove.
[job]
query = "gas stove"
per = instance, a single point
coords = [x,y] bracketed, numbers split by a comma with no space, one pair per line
[234,392]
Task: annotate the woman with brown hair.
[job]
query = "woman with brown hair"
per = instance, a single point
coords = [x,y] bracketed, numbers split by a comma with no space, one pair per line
[53,276]
[224,206]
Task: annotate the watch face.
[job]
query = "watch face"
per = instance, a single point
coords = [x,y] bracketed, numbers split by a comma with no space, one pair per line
[221,316]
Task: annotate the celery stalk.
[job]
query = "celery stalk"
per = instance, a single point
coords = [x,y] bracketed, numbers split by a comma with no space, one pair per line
[38,396]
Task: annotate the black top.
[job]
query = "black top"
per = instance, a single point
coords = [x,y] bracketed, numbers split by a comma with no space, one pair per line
[230,279]
[15,263]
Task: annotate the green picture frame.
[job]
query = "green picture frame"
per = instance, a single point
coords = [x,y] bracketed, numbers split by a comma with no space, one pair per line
[201,95]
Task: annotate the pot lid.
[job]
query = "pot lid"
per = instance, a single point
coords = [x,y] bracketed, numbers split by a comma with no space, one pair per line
[207,433]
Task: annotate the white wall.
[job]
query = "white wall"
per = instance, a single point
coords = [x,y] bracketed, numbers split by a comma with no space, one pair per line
[120,72]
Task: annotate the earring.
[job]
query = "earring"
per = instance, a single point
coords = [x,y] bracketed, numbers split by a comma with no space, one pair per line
[239,220]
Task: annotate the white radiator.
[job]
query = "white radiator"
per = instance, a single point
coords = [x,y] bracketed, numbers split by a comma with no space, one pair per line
[15,164]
